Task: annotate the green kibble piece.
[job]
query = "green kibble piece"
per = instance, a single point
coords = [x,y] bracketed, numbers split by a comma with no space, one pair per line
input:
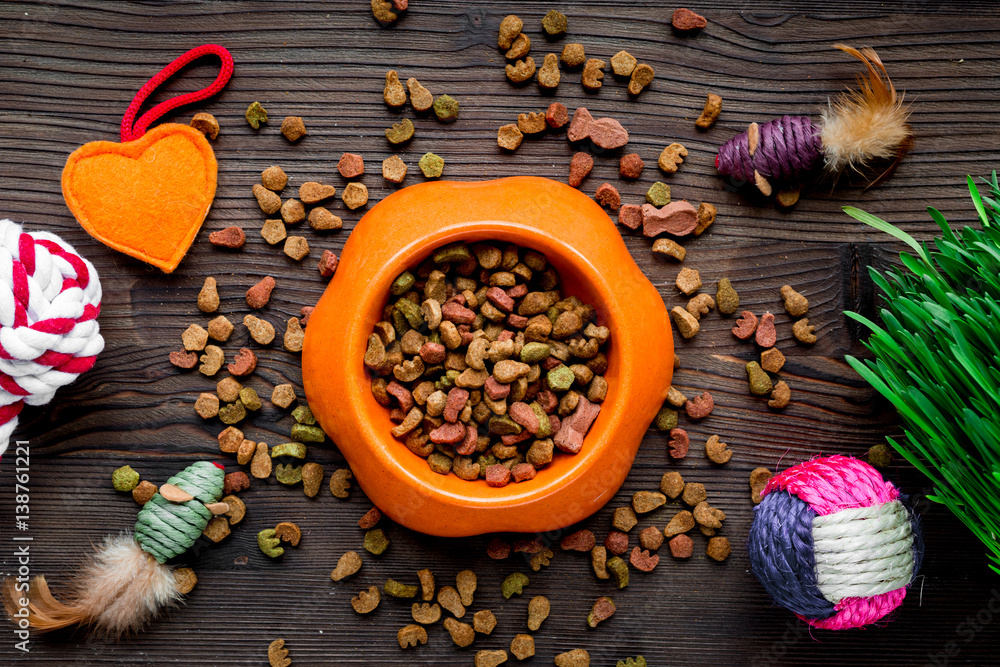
[726,298]
[304,415]
[544,425]
[446,109]
[411,312]
[504,426]
[629,662]
[439,463]
[376,542]
[125,479]
[532,353]
[432,165]
[456,252]
[403,283]
[760,381]
[232,413]
[514,585]
[294,449]
[306,433]
[398,590]
[666,419]
[560,378]
[447,381]
[879,456]
[256,114]
[553,314]
[485,461]
[250,399]
[554,23]
[268,541]
[619,571]
[289,474]
[399,323]
[658,194]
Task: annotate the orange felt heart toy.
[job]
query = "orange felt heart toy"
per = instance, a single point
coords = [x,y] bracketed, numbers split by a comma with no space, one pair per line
[146,198]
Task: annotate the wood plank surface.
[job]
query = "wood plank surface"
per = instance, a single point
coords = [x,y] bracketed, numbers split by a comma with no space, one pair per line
[69,69]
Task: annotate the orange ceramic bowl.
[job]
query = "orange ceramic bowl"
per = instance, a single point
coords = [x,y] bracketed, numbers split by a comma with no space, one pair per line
[583,245]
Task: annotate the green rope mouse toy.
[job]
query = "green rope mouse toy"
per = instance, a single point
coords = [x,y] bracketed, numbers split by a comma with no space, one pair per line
[127,583]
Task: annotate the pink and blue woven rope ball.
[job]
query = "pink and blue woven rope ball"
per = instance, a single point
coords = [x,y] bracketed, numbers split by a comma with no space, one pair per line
[834,543]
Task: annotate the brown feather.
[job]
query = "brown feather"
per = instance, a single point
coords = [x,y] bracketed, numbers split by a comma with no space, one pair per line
[867,123]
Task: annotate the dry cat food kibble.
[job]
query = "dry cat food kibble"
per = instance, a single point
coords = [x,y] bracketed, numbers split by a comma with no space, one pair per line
[746,325]
[642,76]
[630,215]
[258,295]
[658,194]
[393,170]
[556,116]
[780,395]
[400,132]
[420,98]
[602,610]
[803,331]
[593,73]
[486,367]
[510,28]
[393,93]
[230,237]
[766,335]
[759,478]
[607,195]
[446,108]
[579,167]
[606,133]
[677,218]
[255,115]
[206,124]
[623,63]
[431,165]
[519,48]
[726,297]
[548,73]
[490,658]
[706,216]
[293,128]
[671,157]
[630,166]
[713,106]
[531,123]
[521,71]
[685,19]
[509,137]
[277,654]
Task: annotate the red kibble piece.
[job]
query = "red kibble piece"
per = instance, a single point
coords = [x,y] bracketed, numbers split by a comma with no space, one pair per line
[495,390]
[679,443]
[516,321]
[260,294]
[517,291]
[581,540]
[448,434]
[631,166]
[579,127]
[466,333]
[351,165]
[402,394]
[498,475]
[469,442]
[556,116]
[244,364]
[700,407]
[183,359]
[500,299]
[571,432]
[505,334]
[766,334]
[234,482]
[524,415]
[457,398]
[678,218]
[433,353]
[548,401]
[304,313]
[642,560]
[607,195]
[554,423]
[370,519]
[513,439]
[532,546]
[745,326]
[579,167]
[230,237]
[685,19]
[616,542]
[497,549]
[630,215]
[457,313]
[551,362]
[522,472]
[681,546]
[328,263]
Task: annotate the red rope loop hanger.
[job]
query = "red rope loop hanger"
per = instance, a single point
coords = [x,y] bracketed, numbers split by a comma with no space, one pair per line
[131,133]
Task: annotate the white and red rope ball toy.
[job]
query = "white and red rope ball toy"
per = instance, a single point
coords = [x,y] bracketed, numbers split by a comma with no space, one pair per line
[50,298]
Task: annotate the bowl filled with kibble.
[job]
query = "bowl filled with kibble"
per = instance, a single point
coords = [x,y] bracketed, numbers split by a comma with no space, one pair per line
[487,356]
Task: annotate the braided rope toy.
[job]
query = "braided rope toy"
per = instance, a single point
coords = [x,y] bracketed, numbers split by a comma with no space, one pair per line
[833,542]
[50,298]
[126,583]
[858,127]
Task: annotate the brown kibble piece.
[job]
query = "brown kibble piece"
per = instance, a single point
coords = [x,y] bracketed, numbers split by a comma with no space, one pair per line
[185,580]
[687,324]
[573,55]
[581,540]
[538,611]
[630,215]
[490,658]
[772,360]
[717,451]
[312,479]
[260,466]
[340,484]
[461,633]
[286,531]
[713,106]
[579,166]
[274,178]
[425,614]
[484,621]
[258,295]
[509,137]
[624,519]
[644,502]
[548,73]
[682,522]
[236,509]
[245,452]
[623,63]
[207,406]
[521,71]
[746,325]
[194,338]
[244,364]
[144,492]
[183,359]
[593,73]
[688,281]
[393,93]
[283,395]
[293,212]
[795,304]
[465,583]
[531,123]
[293,128]
[556,115]
[672,484]
[787,198]
[706,216]
[294,335]
[355,195]
[382,11]
[578,657]
[420,97]
[759,478]
[679,443]
[393,169]
[277,654]
[522,646]
[234,482]
[700,407]
[411,635]
[519,48]
[630,166]
[598,561]
[718,549]
[607,195]
[212,360]
[685,19]
[781,395]
[366,601]
[694,493]
[230,237]
[312,192]
[208,297]
[671,157]
[642,76]
[803,331]
[296,247]
[681,546]
[510,28]
[348,565]
[497,549]
[401,132]
[651,538]
[267,200]
[273,231]
[700,304]
[206,124]
[260,330]
[450,599]
[678,218]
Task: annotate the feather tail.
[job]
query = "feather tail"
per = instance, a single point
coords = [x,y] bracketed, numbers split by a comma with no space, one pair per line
[117,591]
[867,123]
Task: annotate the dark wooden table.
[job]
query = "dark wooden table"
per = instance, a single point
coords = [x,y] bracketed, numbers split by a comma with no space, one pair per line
[69,69]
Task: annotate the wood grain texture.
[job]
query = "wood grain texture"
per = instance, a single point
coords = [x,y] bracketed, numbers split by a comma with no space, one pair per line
[69,69]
